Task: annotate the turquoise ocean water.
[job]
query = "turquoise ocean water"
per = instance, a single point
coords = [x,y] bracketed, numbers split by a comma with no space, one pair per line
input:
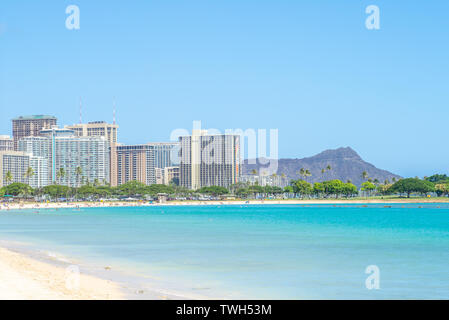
[254,252]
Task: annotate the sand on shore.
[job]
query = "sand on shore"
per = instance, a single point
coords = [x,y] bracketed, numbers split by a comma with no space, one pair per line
[96,204]
[25,278]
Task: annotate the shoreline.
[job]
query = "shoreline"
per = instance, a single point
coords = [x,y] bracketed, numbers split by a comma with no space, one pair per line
[107,204]
[26,278]
[28,274]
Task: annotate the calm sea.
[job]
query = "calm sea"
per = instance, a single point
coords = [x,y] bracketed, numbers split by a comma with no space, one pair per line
[255,252]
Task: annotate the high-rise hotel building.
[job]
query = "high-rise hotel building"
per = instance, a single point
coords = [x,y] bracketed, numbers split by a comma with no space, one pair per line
[165,154]
[139,162]
[135,163]
[14,166]
[96,129]
[101,129]
[209,160]
[64,150]
[30,126]
[6,143]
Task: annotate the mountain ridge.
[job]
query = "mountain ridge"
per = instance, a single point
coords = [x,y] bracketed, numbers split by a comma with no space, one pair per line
[345,162]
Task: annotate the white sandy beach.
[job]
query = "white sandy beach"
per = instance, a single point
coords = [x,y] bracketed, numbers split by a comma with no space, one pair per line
[96,204]
[24,278]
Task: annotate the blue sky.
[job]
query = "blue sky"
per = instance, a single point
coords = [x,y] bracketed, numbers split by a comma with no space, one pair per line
[308,68]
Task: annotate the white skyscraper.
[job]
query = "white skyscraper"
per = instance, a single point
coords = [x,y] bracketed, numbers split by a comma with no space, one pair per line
[209,160]
[14,166]
[65,152]
[6,143]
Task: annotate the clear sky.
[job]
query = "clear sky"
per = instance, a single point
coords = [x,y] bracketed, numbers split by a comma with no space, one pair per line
[308,68]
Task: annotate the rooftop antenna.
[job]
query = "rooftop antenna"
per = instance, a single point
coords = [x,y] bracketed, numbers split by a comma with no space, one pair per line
[113,110]
[81,113]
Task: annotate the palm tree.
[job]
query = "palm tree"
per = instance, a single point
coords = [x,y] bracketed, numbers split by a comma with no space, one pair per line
[364,175]
[301,172]
[323,171]
[328,168]
[78,172]
[28,174]
[307,173]
[60,174]
[386,182]
[394,179]
[8,177]
[254,172]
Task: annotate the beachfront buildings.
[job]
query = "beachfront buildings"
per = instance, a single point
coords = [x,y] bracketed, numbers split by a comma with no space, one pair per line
[96,129]
[69,152]
[265,180]
[209,160]
[139,162]
[71,160]
[6,143]
[37,146]
[82,153]
[165,154]
[101,129]
[135,163]
[15,167]
[30,126]
[167,176]
[40,176]
[171,175]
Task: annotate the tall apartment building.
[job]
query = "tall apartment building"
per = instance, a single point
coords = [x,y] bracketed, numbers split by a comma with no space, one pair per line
[64,150]
[164,154]
[37,146]
[30,126]
[135,163]
[14,166]
[40,149]
[209,160]
[96,129]
[101,129]
[139,162]
[6,143]
[70,152]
